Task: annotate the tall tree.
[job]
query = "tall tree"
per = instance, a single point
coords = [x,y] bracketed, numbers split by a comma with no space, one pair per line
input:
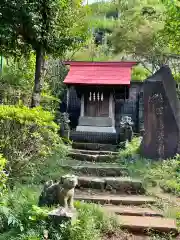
[44,26]
[139,33]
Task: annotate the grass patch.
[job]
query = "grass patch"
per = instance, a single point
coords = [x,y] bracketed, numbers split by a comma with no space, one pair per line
[165,173]
[158,177]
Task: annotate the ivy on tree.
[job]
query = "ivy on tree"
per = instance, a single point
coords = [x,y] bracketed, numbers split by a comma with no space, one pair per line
[44,26]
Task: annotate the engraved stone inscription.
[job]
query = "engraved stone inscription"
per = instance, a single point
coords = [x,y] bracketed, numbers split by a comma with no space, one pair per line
[161,116]
[156,101]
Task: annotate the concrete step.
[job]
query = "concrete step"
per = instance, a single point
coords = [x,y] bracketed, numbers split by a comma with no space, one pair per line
[92,158]
[131,211]
[94,146]
[141,224]
[103,198]
[117,184]
[95,169]
[93,152]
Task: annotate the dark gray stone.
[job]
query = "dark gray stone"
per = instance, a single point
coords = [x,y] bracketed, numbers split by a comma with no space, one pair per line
[97,121]
[92,158]
[94,146]
[93,137]
[118,184]
[59,215]
[161,116]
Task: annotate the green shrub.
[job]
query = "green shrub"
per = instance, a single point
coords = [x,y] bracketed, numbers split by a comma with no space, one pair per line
[27,136]
[131,150]
[92,221]
[172,186]
[16,80]
[8,220]
[51,169]
[165,173]
[19,212]
[140,73]
[29,221]
[3,175]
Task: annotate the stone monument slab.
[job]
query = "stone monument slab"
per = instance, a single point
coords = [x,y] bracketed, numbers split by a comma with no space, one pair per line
[161,116]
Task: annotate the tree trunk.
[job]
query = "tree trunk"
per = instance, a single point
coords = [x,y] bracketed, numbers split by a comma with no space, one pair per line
[39,78]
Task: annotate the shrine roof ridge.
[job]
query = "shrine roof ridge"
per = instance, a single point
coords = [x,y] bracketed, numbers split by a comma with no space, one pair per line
[101,63]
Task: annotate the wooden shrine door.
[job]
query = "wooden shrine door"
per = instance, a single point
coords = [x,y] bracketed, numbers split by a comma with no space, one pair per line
[96,104]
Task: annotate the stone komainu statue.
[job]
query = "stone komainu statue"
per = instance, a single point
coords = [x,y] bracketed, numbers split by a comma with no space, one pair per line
[126,125]
[59,193]
[64,123]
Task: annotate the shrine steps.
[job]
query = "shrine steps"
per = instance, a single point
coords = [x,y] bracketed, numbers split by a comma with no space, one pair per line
[116,184]
[92,157]
[93,152]
[145,224]
[102,180]
[94,146]
[90,169]
[113,199]
[130,212]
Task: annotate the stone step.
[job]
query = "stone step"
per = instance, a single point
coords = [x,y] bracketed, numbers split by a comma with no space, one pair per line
[114,199]
[131,211]
[95,169]
[95,152]
[117,184]
[141,224]
[94,146]
[92,158]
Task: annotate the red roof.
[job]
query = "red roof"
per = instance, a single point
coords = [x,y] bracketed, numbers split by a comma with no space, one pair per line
[99,73]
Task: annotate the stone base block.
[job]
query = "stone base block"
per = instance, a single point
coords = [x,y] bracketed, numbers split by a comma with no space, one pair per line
[61,214]
[93,137]
[96,129]
[94,146]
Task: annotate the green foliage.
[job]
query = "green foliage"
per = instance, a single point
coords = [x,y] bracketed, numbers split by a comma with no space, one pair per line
[101,8]
[50,169]
[3,175]
[93,53]
[103,23]
[91,220]
[21,215]
[140,73]
[30,220]
[164,173]
[172,24]
[8,219]
[53,87]
[16,80]
[52,25]
[144,39]
[19,72]
[55,76]
[131,150]
[27,136]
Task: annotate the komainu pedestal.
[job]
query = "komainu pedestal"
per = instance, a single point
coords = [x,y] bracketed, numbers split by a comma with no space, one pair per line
[161,116]
[61,214]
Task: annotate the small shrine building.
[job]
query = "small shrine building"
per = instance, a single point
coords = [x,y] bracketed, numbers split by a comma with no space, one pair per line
[99,85]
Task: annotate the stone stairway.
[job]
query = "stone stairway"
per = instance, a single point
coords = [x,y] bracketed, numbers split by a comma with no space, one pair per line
[103,181]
